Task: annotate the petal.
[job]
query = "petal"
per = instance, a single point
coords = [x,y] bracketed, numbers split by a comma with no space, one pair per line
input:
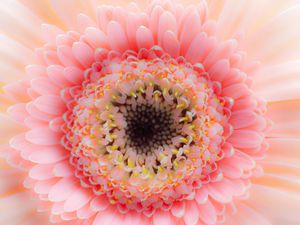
[77,199]
[117,37]
[161,217]
[95,37]
[68,185]
[83,53]
[191,216]
[48,155]
[171,44]
[245,139]
[99,203]
[43,136]
[167,22]
[178,209]
[280,39]
[207,213]
[41,172]
[277,205]
[50,104]
[66,56]
[44,86]
[144,38]
[285,118]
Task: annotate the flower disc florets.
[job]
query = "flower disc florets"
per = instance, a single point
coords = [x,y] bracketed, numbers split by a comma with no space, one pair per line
[146,129]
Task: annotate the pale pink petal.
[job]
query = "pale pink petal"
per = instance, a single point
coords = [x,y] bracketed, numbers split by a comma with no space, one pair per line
[167,22]
[190,28]
[78,199]
[50,104]
[85,21]
[48,155]
[66,56]
[63,169]
[191,215]
[99,203]
[83,53]
[144,38]
[50,32]
[43,136]
[68,185]
[18,112]
[161,217]
[170,43]
[116,36]
[95,37]
[41,172]
[85,212]
[178,209]
[44,87]
[207,213]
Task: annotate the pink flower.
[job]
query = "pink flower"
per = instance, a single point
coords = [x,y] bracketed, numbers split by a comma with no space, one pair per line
[158,113]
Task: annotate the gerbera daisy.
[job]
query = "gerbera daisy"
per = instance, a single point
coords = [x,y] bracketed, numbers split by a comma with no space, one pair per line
[150,113]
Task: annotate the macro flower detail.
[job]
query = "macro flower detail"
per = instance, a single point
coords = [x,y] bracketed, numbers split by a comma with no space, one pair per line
[145,115]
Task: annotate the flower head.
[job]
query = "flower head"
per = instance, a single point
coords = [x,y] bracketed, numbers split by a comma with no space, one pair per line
[143,116]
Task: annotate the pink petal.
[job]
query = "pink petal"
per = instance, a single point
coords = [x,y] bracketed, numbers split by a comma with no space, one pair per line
[104,15]
[43,136]
[132,218]
[161,217]
[224,51]
[56,124]
[85,212]
[74,75]
[41,172]
[191,216]
[18,112]
[66,56]
[201,196]
[48,155]
[37,114]
[219,70]
[83,53]
[190,27]
[242,118]
[63,169]
[117,37]
[207,213]
[43,187]
[44,86]
[144,38]
[95,37]
[236,91]
[63,189]
[36,71]
[178,209]
[84,21]
[167,22]
[51,58]
[198,48]
[16,92]
[245,139]
[154,20]
[109,217]
[78,199]
[51,104]
[56,75]
[171,44]
[99,203]
[50,32]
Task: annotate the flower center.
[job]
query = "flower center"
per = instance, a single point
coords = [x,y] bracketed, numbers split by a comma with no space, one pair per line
[148,128]
[145,131]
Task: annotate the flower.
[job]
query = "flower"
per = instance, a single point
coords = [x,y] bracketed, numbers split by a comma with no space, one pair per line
[154,114]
